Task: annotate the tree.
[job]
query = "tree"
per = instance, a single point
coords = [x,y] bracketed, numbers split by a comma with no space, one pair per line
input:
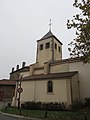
[80,46]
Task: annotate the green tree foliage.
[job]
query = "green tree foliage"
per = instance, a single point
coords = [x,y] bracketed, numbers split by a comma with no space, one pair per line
[80,46]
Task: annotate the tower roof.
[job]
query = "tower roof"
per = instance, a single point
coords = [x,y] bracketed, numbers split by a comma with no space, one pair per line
[48,35]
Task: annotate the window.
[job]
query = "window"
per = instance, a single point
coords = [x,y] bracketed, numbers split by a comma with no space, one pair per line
[47,45]
[41,47]
[55,46]
[50,86]
[58,48]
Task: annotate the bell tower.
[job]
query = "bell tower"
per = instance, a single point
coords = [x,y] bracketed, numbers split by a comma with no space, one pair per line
[49,48]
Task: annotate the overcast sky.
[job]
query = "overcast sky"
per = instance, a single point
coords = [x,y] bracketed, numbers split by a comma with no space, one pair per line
[23,22]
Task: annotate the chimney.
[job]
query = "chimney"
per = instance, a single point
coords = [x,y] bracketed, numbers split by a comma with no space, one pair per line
[23,64]
[12,69]
[17,67]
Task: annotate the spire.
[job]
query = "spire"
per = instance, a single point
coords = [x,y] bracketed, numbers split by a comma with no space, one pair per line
[50,25]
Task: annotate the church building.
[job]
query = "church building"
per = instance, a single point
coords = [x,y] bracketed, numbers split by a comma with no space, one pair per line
[51,78]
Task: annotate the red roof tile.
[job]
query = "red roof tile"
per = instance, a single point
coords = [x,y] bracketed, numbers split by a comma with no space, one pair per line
[7,82]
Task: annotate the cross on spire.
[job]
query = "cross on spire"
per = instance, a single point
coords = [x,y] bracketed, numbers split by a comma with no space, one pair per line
[50,25]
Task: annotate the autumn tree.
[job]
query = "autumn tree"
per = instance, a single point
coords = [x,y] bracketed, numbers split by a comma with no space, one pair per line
[80,46]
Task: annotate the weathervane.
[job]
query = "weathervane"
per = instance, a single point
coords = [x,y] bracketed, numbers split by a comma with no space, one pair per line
[50,25]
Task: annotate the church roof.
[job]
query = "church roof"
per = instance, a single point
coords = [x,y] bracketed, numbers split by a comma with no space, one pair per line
[48,35]
[61,75]
[69,60]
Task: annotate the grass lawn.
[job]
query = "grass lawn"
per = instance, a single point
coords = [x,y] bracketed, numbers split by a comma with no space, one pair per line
[51,115]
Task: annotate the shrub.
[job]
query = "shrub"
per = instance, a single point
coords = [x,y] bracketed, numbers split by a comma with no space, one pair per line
[43,106]
[76,105]
[87,102]
[9,104]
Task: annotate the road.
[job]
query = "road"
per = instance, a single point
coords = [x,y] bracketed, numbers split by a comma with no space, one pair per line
[9,117]
[5,117]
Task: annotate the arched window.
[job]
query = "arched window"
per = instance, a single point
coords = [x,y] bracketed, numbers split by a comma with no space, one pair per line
[50,86]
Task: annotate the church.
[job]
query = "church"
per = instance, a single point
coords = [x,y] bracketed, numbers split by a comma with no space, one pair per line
[51,78]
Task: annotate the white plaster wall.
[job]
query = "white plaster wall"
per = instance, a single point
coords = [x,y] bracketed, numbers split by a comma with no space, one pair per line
[59,91]
[38,71]
[25,74]
[68,91]
[37,91]
[84,77]
[57,54]
[45,54]
[75,87]
[59,68]
[28,91]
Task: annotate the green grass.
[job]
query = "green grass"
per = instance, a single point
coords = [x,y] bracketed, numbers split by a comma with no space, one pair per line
[52,115]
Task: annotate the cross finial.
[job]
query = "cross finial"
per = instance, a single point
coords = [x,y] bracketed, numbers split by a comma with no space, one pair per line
[50,25]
